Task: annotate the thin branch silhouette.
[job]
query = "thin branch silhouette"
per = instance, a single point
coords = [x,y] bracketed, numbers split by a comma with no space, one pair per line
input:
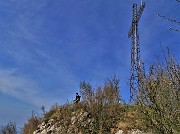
[169,19]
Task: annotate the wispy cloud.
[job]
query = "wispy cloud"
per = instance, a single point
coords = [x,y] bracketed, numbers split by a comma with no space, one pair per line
[20,87]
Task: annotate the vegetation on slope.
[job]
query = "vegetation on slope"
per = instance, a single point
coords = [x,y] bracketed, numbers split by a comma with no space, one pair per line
[159,97]
[156,107]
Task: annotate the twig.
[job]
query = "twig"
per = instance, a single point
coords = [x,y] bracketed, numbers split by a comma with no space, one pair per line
[169,19]
[177,30]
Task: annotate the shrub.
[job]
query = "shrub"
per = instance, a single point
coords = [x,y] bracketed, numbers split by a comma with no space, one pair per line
[33,121]
[10,128]
[159,97]
[103,104]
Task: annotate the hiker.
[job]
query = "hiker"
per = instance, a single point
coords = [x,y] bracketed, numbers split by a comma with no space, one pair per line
[77,98]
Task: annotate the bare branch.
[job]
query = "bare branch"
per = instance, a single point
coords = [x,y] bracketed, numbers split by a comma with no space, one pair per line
[169,19]
[177,30]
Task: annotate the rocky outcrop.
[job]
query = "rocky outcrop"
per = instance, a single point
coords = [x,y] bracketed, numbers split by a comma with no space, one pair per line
[78,123]
[136,131]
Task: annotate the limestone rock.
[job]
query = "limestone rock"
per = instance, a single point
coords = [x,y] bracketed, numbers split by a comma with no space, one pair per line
[70,126]
[119,132]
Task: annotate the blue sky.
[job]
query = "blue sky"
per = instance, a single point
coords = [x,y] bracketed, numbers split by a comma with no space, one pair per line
[48,46]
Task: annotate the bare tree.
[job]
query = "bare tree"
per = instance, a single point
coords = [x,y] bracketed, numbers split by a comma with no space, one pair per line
[33,121]
[103,104]
[10,128]
[159,97]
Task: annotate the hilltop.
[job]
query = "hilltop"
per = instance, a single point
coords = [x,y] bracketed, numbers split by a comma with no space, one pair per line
[156,109]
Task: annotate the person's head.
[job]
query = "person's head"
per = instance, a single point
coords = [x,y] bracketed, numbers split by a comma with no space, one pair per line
[76,93]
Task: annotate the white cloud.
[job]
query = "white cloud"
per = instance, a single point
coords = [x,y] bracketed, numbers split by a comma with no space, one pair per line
[13,84]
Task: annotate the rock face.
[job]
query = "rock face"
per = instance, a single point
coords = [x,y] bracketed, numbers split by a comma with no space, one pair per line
[73,125]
